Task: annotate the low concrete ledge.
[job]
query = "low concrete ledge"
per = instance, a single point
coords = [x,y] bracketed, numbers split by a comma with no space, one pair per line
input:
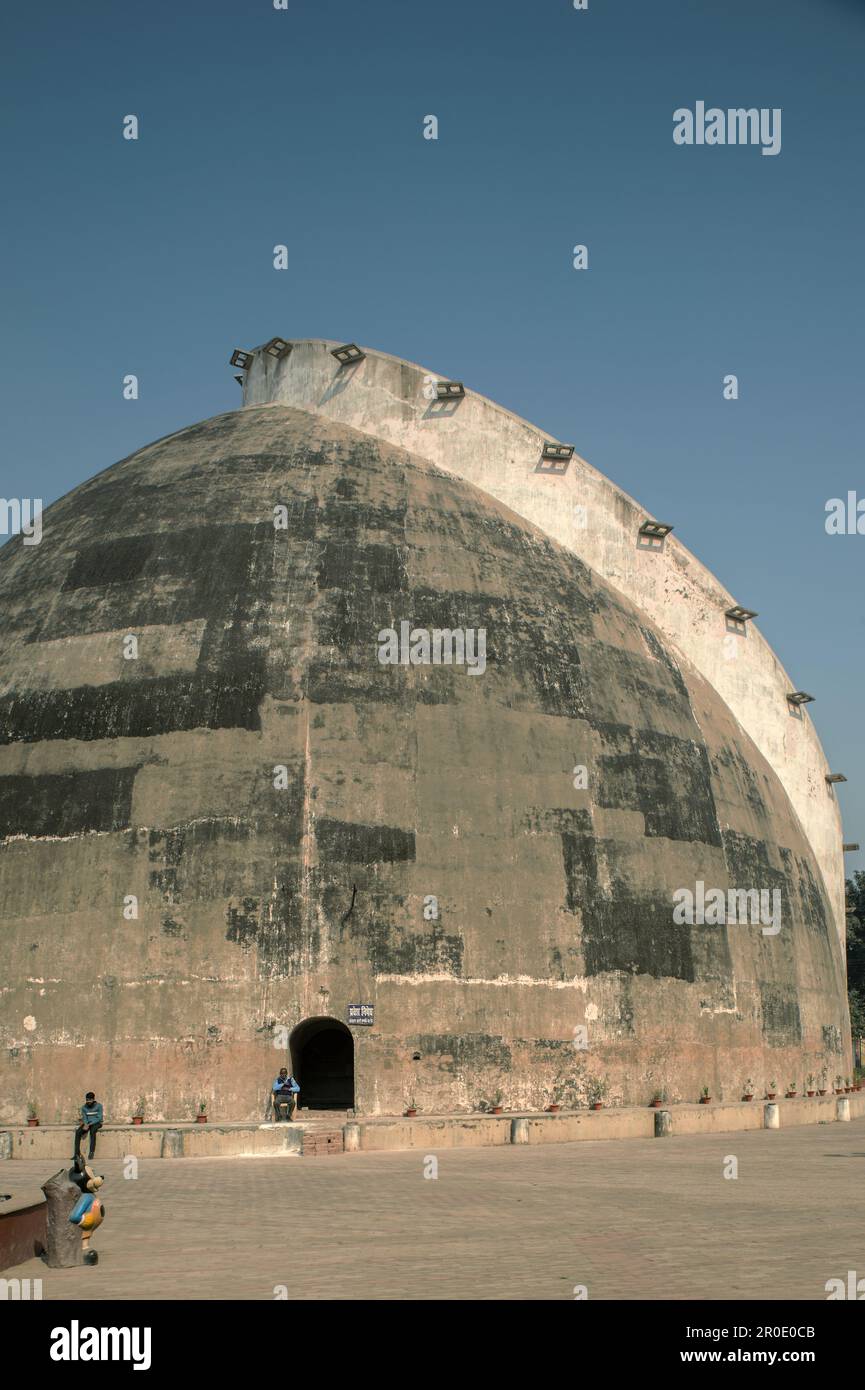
[23,1218]
[217,1141]
[569,1126]
[446,1132]
[157,1141]
[381,1134]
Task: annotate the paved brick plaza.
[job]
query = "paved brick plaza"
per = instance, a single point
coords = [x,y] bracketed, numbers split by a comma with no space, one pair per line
[632,1219]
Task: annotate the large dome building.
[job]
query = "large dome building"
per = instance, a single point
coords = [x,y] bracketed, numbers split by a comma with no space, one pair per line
[250,815]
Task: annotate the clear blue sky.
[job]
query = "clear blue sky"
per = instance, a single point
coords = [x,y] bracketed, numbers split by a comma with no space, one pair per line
[305,127]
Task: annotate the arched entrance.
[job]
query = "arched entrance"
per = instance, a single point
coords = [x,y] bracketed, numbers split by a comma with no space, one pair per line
[322,1060]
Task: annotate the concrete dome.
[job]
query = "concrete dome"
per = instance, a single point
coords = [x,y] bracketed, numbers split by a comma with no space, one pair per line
[300,828]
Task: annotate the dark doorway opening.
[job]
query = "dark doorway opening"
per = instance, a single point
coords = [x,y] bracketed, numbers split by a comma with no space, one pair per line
[322,1060]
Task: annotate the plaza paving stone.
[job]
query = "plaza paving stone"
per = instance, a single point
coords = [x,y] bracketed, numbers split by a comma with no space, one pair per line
[633,1219]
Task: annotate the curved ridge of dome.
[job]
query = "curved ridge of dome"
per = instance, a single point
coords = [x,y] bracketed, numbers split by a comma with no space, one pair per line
[482,441]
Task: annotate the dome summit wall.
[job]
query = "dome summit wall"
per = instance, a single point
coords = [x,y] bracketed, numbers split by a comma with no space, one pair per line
[282,807]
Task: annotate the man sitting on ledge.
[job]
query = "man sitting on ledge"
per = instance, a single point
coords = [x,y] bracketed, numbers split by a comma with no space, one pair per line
[284,1095]
[91,1122]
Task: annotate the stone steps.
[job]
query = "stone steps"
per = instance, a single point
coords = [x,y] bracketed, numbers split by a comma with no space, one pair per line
[320,1143]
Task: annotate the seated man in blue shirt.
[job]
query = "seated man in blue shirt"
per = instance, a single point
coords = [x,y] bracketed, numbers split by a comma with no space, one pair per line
[285,1091]
[91,1122]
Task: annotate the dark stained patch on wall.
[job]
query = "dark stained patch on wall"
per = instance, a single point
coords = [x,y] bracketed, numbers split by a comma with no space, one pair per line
[352,842]
[813,908]
[748,780]
[555,820]
[667,779]
[536,647]
[243,921]
[832,1040]
[336,683]
[749,867]
[227,699]
[365,586]
[362,567]
[622,931]
[175,855]
[344,515]
[164,577]
[110,562]
[302,518]
[66,803]
[466,1052]
[391,951]
[276,927]
[782,1024]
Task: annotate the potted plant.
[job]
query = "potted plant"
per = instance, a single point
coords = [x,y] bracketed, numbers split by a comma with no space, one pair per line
[821,1090]
[839,1089]
[32,1115]
[138,1114]
[201,1117]
[848,1085]
[658,1098]
[705,1098]
[749,1090]
[772,1091]
[809,1083]
[597,1089]
[411,1108]
[496,1107]
[791,1090]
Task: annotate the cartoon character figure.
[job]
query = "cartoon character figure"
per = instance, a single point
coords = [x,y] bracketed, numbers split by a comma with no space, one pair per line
[89,1211]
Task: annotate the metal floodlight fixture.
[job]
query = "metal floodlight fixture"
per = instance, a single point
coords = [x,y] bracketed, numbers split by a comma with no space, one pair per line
[450,390]
[655,530]
[800,697]
[277,347]
[349,352]
[835,777]
[239,358]
[555,458]
[850,849]
[740,615]
[561,453]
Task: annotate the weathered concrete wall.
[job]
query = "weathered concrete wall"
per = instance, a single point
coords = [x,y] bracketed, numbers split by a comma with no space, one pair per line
[586,512]
[258,906]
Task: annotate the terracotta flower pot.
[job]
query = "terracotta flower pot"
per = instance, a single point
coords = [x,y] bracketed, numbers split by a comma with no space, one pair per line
[705,1100]
[496,1110]
[654,1104]
[770,1095]
[138,1119]
[810,1093]
[551,1109]
[410,1111]
[597,1105]
[32,1122]
[749,1097]
[201,1119]
[789,1095]
[821,1093]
